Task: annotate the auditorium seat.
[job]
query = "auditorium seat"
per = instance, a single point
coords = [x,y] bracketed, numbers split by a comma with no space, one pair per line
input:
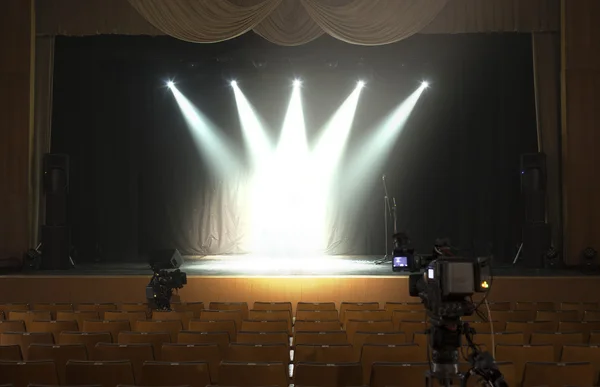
[54,327]
[557,339]
[498,338]
[312,306]
[344,306]
[230,306]
[573,353]
[579,306]
[163,315]
[160,373]
[340,353]
[520,354]
[89,339]
[97,307]
[588,315]
[558,374]
[263,338]
[137,354]
[488,326]
[395,374]
[585,327]
[253,374]
[52,307]
[408,306]
[512,315]
[12,326]
[60,354]
[528,327]
[408,315]
[527,305]
[171,326]
[219,338]
[25,339]
[388,338]
[10,352]
[114,327]
[23,373]
[500,305]
[134,307]
[328,375]
[208,353]
[194,307]
[403,353]
[156,339]
[317,315]
[29,315]
[228,315]
[320,338]
[375,326]
[419,338]
[272,315]
[79,315]
[214,326]
[7,307]
[104,373]
[261,305]
[132,316]
[267,353]
[366,315]
[556,315]
[317,326]
[594,337]
[411,327]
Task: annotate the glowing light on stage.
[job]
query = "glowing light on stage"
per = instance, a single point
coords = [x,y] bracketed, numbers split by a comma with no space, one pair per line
[233,83]
[297,83]
[205,135]
[425,84]
[170,84]
[360,84]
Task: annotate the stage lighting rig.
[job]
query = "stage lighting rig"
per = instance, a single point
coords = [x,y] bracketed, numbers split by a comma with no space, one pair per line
[425,84]
[297,83]
[170,84]
[233,83]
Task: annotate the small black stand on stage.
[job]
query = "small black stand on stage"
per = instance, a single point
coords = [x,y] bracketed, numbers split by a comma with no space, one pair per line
[390,211]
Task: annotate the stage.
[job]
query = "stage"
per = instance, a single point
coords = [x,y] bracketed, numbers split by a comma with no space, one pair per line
[254,278]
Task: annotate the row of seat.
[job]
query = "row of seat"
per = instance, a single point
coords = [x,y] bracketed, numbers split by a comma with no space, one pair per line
[196,374]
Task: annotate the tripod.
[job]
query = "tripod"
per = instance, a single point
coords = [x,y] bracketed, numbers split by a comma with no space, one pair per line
[390,211]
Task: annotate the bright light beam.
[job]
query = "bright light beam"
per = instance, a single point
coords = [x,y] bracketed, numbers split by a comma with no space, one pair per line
[205,135]
[252,129]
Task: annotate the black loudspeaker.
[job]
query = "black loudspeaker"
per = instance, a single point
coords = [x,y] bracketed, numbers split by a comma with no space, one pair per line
[56,209]
[537,240]
[56,173]
[533,186]
[56,245]
[165,259]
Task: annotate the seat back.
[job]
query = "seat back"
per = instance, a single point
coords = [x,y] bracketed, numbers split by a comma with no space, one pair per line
[520,354]
[312,306]
[253,374]
[341,353]
[131,316]
[488,326]
[411,327]
[366,315]
[317,315]
[391,306]
[389,374]
[374,326]
[54,327]
[137,354]
[591,315]
[230,306]
[218,315]
[7,307]
[584,327]
[228,326]
[97,307]
[261,305]
[556,315]
[327,375]
[208,353]
[557,339]
[155,339]
[408,315]
[79,315]
[263,338]
[114,327]
[403,353]
[344,306]
[489,341]
[25,339]
[320,338]
[52,307]
[385,338]
[317,326]
[60,354]
[104,373]
[171,326]
[528,327]
[10,353]
[558,374]
[23,373]
[264,353]
[184,317]
[574,353]
[512,315]
[88,339]
[526,305]
[194,307]
[161,373]
[134,307]
[221,339]
[12,326]
[28,316]
[272,315]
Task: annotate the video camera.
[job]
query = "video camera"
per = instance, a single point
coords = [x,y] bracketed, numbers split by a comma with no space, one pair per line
[160,288]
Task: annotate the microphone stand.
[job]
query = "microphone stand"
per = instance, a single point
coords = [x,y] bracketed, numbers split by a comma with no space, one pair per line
[387,209]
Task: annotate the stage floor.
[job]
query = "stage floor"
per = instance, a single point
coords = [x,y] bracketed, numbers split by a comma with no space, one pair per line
[260,266]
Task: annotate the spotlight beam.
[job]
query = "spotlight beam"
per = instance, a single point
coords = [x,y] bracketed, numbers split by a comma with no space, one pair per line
[210,145]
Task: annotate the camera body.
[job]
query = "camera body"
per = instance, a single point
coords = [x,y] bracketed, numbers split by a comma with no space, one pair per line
[160,288]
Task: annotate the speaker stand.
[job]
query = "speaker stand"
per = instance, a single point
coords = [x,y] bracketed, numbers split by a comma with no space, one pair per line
[518,254]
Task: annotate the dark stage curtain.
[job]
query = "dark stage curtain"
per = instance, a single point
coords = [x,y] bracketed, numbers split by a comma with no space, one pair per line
[139,182]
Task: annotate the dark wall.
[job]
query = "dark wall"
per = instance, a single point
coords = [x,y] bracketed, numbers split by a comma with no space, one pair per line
[136,176]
